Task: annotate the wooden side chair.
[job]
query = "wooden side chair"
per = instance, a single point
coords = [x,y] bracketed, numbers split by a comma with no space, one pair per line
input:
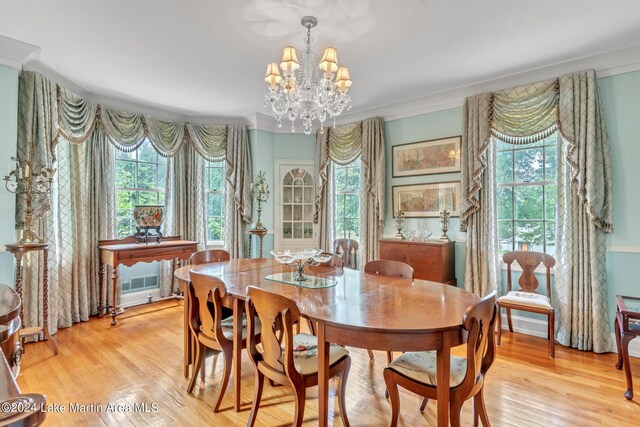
[416,371]
[387,267]
[209,327]
[286,358]
[210,255]
[348,249]
[527,299]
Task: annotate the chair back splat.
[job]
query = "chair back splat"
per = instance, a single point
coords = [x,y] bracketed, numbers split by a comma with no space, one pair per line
[277,315]
[348,249]
[386,267]
[211,255]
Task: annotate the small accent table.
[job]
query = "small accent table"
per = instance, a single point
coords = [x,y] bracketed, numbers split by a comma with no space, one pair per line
[257,232]
[627,328]
[19,250]
[127,252]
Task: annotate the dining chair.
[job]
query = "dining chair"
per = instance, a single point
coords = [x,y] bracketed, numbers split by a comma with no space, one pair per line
[285,358]
[209,255]
[212,331]
[348,249]
[416,370]
[385,267]
[526,298]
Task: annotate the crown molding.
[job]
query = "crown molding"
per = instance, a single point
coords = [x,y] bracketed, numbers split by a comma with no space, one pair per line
[113,101]
[14,53]
[606,64]
[17,54]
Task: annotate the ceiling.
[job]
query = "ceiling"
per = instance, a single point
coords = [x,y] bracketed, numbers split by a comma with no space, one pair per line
[207,58]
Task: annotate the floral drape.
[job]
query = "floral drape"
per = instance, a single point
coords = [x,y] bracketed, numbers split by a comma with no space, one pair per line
[55,124]
[342,145]
[571,106]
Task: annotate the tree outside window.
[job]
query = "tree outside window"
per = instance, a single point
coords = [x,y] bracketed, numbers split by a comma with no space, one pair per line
[215,193]
[140,180]
[527,195]
[347,199]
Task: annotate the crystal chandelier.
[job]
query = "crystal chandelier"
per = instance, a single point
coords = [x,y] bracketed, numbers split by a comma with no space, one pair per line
[300,92]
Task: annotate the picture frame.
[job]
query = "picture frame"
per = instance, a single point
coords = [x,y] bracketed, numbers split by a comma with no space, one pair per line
[427,200]
[426,157]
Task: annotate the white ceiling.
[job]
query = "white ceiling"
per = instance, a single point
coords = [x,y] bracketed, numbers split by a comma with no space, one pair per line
[207,58]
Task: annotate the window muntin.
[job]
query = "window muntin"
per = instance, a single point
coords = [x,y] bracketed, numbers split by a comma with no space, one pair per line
[347,200]
[526,176]
[140,180]
[215,194]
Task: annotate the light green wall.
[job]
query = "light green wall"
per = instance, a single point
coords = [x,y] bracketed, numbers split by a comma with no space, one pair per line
[620,95]
[266,148]
[429,126]
[8,147]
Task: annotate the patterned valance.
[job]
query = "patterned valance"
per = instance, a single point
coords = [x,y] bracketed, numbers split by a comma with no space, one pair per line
[76,118]
[525,114]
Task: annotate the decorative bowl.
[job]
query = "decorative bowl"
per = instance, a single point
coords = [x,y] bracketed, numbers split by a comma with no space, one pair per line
[425,234]
[300,259]
[148,216]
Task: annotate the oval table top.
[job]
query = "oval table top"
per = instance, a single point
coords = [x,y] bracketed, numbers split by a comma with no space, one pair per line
[359,300]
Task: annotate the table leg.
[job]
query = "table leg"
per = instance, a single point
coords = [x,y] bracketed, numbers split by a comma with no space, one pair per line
[620,362]
[261,237]
[323,377]
[114,310]
[238,307]
[45,301]
[186,331]
[625,338]
[443,361]
[250,238]
[101,290]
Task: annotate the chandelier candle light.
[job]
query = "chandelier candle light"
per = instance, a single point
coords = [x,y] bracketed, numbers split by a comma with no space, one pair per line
[36,187]
[260,192]
[300,92]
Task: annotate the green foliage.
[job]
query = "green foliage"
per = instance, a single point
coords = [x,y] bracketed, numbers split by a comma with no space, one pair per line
[532,206]
[140,180]
[347,188]
[215,187]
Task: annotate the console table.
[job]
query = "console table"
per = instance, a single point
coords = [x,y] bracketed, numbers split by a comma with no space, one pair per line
[432,260]
[127,252]
[19,250]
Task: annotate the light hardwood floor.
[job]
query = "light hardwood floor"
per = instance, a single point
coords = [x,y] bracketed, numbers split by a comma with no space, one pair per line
[140,361]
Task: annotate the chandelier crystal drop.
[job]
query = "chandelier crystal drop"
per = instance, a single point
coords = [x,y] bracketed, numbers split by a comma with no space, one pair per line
[301,91]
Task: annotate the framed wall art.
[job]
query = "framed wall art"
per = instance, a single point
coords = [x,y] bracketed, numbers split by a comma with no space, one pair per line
[427,157]
[427,200]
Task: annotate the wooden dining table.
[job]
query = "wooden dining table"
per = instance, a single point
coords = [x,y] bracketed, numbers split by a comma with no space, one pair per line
[361,310]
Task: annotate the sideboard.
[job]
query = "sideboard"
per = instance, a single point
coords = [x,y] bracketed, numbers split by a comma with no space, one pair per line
[431,260]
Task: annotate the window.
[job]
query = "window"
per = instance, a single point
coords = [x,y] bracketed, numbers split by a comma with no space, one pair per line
[214,187]
[527,195]
[347,199]
[140,180]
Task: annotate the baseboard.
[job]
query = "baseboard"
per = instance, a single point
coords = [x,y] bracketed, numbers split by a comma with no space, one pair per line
[538,328]
[130,299]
